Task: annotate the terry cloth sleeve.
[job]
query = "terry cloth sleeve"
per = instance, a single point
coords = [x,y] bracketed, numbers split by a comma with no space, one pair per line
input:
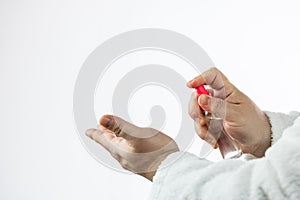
[275,176]
[279,122]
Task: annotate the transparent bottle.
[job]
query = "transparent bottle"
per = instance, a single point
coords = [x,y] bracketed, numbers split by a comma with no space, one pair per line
[228,147]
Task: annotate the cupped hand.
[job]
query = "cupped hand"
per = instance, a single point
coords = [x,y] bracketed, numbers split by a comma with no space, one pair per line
[139,150]
[242,119]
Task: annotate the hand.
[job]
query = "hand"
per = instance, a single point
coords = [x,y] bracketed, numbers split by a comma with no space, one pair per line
[242,119]
[139,150]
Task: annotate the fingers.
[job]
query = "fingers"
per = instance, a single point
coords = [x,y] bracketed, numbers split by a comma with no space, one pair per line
[197,115]
[212,77]
[193,108]
[120,127]
[125,129]
[215,79]
[203,132]
[219,108]
[213,105]
[102,137]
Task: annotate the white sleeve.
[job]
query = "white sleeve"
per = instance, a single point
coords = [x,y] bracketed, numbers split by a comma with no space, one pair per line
[275,176]
[279,122]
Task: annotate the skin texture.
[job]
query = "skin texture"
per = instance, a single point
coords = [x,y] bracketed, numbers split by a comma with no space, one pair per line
[139,150]
[242,119]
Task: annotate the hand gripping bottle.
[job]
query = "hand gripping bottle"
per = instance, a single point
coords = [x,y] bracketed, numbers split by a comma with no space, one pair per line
[227,145]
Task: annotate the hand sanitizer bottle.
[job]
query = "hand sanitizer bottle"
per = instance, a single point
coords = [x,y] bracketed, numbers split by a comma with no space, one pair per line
[228,147]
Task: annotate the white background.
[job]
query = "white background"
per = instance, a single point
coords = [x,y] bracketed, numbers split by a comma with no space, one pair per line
[44,43]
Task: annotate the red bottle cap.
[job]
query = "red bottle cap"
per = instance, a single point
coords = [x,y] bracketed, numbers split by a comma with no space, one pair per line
[201,90]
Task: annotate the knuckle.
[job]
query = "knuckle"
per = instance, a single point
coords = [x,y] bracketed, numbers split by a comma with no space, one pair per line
[202,134]
[214,69]
[194,114]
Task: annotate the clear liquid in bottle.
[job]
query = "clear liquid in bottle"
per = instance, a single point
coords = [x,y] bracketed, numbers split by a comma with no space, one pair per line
[227,145]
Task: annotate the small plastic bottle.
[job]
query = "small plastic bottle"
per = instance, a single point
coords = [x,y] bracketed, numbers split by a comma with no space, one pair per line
[227,145]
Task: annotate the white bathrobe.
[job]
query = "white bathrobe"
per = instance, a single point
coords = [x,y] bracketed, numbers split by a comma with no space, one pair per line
[275,176]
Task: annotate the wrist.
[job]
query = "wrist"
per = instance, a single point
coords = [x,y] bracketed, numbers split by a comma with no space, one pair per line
[266,137]
[149,175]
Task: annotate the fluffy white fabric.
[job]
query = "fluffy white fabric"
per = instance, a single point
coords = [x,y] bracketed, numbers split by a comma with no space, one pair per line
[275,176]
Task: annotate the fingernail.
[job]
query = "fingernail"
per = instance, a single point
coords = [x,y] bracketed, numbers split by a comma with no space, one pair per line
[105,121]
[204,100]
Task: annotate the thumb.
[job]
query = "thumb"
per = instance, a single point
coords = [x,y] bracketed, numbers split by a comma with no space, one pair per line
[117,125]
[213,105]
[125,129]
